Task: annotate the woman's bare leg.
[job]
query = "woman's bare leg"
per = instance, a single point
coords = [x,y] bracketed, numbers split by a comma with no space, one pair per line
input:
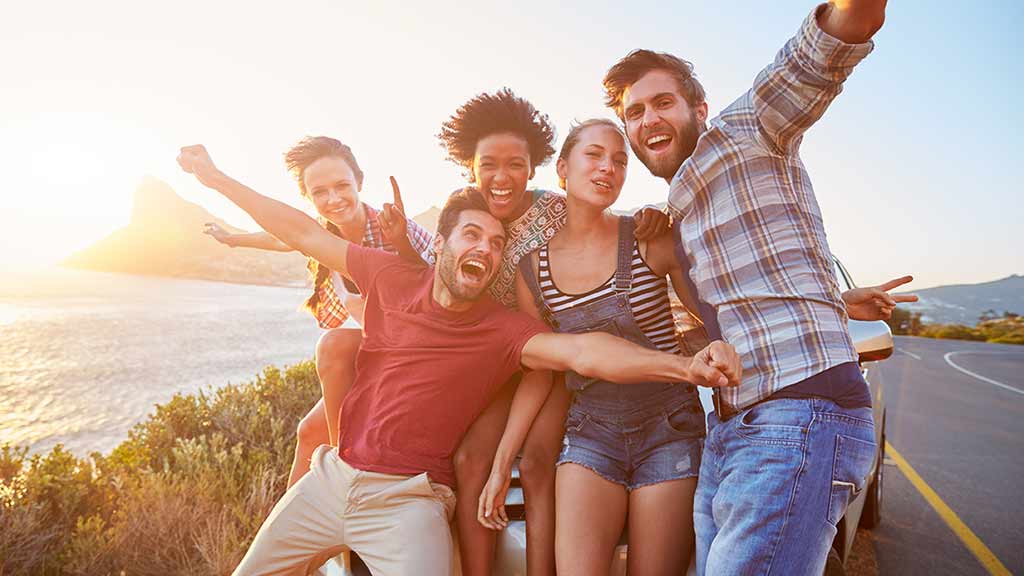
[537,474]
[661,528]
[335,365]
[472,467]
[591,513]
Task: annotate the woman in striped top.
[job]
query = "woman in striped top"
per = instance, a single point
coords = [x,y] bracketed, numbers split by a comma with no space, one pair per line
[627,448]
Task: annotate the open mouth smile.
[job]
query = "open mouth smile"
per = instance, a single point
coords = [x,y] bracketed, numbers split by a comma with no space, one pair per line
[658,142]
[475,270]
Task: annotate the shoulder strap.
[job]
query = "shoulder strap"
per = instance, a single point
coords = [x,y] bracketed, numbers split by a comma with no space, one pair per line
[528,268]
[624,260]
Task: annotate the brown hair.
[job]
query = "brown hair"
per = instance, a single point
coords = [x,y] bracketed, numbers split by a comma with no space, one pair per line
[312,148]
[460,201]
[297,159]
[627,71]
[501,112]
[574,137]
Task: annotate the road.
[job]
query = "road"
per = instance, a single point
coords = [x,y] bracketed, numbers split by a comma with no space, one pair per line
[956,416]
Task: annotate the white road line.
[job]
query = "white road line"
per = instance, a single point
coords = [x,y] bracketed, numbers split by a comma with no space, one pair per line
[911,354]
[979,376]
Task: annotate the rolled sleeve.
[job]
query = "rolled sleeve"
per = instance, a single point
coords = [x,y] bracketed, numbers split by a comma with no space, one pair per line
[793,92]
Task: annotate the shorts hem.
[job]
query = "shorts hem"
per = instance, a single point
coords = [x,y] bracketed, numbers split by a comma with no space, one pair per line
[653,482]
[594,470]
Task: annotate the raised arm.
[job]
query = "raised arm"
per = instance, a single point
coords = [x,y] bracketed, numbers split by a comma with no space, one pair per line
[793,92]
[259,240]
[395,226]
[291,226]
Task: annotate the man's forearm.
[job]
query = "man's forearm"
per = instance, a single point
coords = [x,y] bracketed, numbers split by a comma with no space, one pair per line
[607,357]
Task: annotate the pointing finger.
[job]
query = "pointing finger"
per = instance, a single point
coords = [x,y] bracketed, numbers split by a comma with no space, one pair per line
[397,194]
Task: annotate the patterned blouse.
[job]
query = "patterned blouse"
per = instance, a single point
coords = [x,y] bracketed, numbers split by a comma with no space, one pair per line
[541,221]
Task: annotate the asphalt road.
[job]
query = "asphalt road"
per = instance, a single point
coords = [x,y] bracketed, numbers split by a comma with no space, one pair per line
[964,436]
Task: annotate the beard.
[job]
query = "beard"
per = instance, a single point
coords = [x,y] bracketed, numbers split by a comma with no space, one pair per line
[684,141]
[447,267]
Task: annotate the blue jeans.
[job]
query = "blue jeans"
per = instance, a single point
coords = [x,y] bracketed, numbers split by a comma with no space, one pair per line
[774,482]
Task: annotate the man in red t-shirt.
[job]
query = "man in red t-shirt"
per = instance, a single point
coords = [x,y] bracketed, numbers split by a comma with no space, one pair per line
[435,350]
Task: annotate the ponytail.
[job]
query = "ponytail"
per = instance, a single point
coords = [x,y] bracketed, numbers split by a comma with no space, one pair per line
[320,275]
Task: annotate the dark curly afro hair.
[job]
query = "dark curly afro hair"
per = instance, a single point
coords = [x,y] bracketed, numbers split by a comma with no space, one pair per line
[497,113]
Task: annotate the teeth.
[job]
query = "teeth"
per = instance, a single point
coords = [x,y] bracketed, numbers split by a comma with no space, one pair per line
[603,184]
[655,139]
[479,266]
[501,193]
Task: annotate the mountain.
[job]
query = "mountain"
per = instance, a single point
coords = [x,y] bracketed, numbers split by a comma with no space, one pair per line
[164,238]
[964,303]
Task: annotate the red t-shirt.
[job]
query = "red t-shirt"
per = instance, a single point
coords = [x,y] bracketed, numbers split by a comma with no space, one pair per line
[423,373]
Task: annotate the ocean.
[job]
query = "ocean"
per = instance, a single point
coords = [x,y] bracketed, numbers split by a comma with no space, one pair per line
[86,355]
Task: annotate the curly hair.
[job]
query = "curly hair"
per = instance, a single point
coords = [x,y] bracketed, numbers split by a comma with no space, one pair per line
[502,112]
[634,65]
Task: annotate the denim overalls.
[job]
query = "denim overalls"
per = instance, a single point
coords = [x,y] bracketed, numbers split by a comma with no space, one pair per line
[630,434]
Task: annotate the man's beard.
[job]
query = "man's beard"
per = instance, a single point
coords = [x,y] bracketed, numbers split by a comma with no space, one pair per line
[684,141]
[447,266]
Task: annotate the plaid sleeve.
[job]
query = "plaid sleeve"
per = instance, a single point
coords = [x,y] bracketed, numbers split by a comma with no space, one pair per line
[793,92]
[422,241]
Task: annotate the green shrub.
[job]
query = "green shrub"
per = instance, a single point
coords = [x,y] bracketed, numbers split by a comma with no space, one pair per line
[183,494]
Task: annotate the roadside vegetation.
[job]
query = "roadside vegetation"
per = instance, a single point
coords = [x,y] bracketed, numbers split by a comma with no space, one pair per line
[1005,329]
[184,494]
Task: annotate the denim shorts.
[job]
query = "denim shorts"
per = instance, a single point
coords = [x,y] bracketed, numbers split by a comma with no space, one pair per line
[639,448]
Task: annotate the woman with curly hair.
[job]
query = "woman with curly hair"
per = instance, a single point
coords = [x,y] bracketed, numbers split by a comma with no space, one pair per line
[500,139]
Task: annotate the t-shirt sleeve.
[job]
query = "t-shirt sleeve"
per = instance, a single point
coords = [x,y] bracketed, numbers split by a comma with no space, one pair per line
[364,265]
[521,327]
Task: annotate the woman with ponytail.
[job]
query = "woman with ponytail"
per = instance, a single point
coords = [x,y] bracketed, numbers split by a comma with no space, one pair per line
[329,176]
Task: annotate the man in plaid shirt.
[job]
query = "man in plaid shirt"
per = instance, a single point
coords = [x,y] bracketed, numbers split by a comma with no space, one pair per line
[788,448]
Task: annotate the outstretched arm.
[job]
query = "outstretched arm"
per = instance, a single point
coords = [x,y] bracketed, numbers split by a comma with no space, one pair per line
[601,355]
[794,91]
[289,225]
[258,240]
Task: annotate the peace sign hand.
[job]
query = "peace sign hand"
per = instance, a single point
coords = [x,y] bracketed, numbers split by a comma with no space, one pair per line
[875,302]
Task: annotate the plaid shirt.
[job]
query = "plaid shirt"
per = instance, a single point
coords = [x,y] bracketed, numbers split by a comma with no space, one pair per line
[751,226]
[331,311]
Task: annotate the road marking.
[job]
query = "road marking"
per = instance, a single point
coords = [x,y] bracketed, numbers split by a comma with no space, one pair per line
[979,376]
[911,354]
[987,558]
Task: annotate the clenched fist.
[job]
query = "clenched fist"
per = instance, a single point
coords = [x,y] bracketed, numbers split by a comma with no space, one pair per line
[716,365]
[196,160]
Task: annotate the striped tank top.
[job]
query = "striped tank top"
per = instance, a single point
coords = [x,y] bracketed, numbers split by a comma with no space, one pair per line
[648,299]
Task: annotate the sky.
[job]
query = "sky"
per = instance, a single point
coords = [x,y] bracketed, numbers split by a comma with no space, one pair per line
[912,164]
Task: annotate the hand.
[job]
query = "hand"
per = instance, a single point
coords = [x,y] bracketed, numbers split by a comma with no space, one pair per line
[875,302]
[393,224]
[651,223]
[219,233]
[491,511]
[717,365]
[196,160]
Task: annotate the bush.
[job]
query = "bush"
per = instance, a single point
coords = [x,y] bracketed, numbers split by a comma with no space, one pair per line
[184,494]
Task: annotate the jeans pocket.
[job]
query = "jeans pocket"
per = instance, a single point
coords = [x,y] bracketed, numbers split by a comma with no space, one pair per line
[774,423]
[574,421]
[850,468]
[687,421]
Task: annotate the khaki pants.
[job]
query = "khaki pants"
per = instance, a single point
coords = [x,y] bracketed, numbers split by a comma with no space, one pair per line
[397,524]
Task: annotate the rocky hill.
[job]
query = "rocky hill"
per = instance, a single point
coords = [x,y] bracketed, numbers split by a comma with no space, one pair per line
[965,303]
[164,238]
